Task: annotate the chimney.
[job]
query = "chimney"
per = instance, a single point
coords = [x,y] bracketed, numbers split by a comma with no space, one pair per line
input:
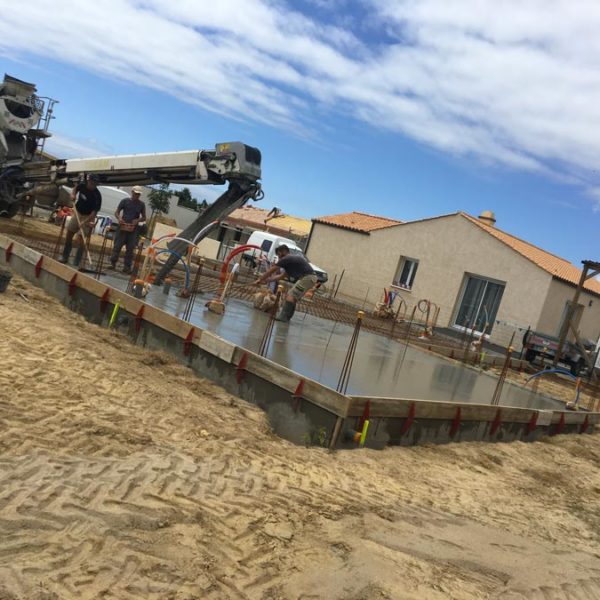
[487,217]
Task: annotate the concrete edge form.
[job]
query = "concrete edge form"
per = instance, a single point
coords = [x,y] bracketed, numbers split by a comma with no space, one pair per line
[299,409]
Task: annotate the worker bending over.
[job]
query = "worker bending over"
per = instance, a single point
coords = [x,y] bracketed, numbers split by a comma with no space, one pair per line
[297,269]
[130,213]
[87,201]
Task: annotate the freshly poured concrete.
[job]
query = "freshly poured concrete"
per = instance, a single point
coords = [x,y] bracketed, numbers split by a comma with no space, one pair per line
[316,348]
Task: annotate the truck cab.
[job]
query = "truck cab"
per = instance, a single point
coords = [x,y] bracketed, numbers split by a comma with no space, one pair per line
[268,243]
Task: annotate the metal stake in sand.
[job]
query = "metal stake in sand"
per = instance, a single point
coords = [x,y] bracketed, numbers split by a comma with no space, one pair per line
[189,306]
[342,385]
[266,339]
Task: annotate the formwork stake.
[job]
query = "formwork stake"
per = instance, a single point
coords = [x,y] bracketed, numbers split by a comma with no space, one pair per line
[241,368]
[38,267]
[560,425]
[366,414]
[104,301]
[496,422]
[455,422]
[187,343]
[8,252]
[532,425]
[585,424]
[342,385]
[297,395]
[409,419]
[139,317]
[73,285]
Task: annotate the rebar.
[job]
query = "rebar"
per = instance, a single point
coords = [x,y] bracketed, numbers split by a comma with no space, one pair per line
[100,262]
[57,245]
[502,377]
[266,339]
[342,385]
[189,307]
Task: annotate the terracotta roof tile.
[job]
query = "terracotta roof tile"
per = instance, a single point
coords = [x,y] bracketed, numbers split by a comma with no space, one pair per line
[555,265]
[259,218]
[358,221]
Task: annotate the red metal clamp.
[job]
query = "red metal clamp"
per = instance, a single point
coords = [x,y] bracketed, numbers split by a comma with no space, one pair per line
[241,368]
[139,318]
[560,425]
[496,422]
[73,285]
[532,425]
[8,252]
[38,266]
[455,423]
[585,424]
[187,343]
[409,419]
[365,416]
[104,301]
[297,395]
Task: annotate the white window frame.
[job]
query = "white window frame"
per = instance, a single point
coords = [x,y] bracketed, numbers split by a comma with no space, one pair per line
[412,272]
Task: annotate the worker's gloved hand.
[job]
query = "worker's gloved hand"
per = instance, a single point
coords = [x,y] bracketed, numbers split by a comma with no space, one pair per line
[257,282]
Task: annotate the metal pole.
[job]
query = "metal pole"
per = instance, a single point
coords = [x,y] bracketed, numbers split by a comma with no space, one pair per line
[564,330]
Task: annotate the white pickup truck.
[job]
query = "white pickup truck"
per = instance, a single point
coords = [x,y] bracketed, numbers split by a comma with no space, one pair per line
[268,243]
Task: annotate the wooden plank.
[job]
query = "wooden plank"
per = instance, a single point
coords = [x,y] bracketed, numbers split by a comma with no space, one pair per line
[572,417]
[288,380]
[217,346]
[430,409]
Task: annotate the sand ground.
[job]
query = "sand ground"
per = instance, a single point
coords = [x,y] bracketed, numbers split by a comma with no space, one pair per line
[122,475]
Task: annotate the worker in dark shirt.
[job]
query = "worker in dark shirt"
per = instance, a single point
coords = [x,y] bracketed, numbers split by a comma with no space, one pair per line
[87,200]
[130,213]
[296,268]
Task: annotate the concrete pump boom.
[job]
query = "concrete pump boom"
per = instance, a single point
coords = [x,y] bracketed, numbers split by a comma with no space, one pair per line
[25,173]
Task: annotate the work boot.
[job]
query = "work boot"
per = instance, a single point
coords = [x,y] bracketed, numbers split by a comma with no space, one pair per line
[127,270]
[112,266]
[287,312]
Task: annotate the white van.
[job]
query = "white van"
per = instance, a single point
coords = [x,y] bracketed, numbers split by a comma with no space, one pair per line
[268,243]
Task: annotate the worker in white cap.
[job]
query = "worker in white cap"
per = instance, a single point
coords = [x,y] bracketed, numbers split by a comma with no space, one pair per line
[130,213]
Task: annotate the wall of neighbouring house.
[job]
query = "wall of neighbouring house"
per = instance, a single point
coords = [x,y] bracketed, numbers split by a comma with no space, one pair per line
[559,294]
[446,248]
[346,254]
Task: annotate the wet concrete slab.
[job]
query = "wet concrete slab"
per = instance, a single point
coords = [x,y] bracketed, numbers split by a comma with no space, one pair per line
[316,348]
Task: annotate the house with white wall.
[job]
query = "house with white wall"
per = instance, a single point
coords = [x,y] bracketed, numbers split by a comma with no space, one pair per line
[480,277]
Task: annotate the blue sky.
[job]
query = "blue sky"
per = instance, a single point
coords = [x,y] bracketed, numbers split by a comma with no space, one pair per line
[402,108]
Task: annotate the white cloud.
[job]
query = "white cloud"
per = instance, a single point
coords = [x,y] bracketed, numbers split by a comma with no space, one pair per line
[512,83]
[64,146]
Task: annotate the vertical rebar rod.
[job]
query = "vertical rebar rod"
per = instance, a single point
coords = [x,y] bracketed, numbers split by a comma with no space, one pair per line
[59,238]
[189,307]
[266,339]
[100,262]
[502,378]
[344,379]
[136,266]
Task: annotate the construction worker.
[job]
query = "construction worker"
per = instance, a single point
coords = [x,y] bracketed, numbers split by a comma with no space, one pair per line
[130,213]
[296,268]
[87,201]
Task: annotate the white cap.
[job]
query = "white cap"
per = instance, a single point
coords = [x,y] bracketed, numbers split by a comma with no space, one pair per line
[136,189]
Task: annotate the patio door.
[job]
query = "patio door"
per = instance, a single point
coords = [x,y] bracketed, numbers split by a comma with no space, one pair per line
[479,304]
